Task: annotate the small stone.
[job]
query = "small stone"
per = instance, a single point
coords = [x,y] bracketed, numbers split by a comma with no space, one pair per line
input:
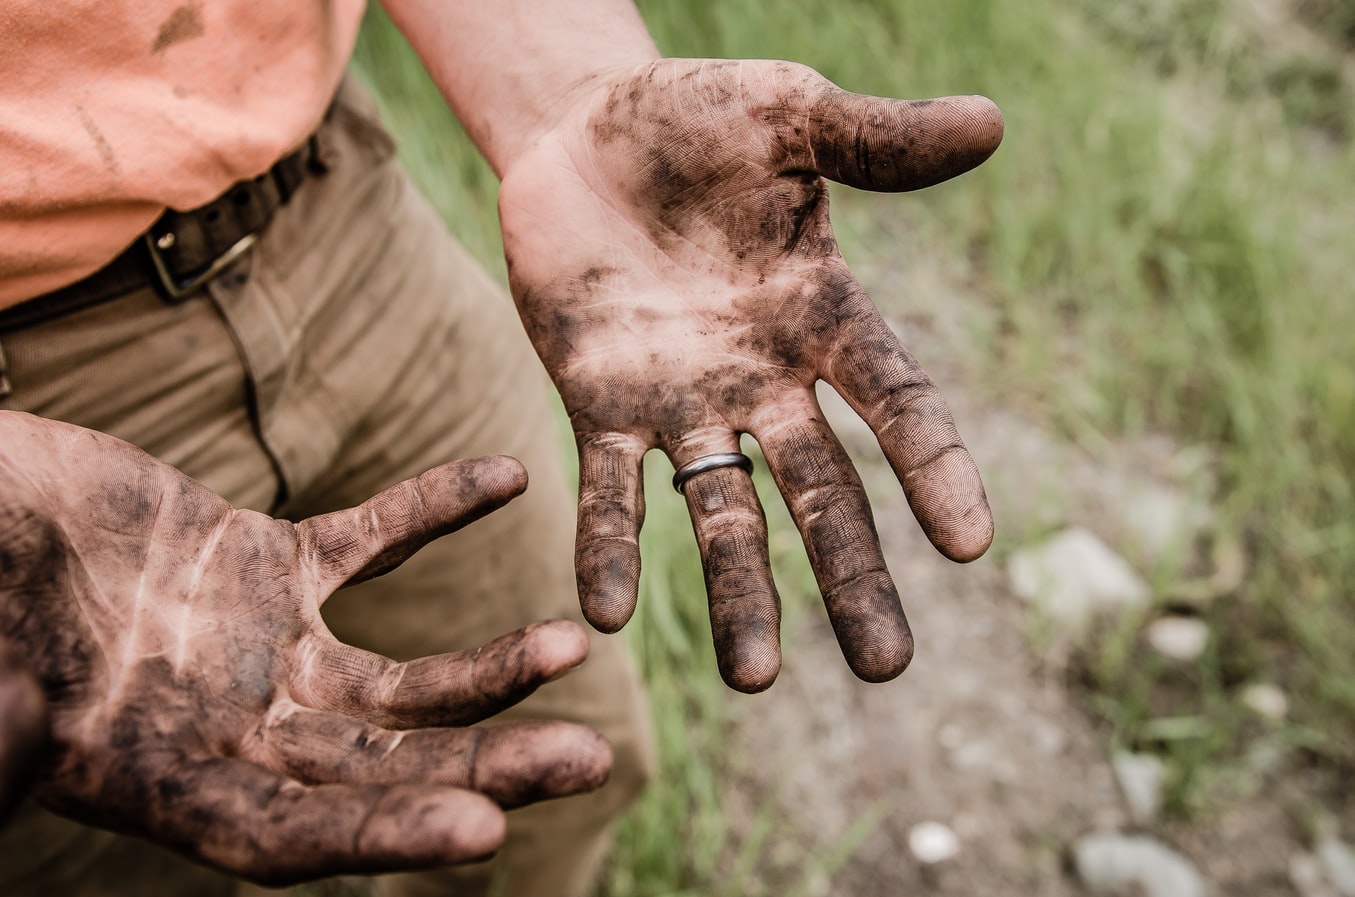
[1178,638]
[1073,576]
[973,756]
[1266,701]
[933,842]
[1338,864]
[1111,863]
[1305,874]
[1140,777]
[1159,519]
[1266,757]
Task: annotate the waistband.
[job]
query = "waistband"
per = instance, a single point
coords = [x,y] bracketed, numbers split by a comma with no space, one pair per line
[182,250]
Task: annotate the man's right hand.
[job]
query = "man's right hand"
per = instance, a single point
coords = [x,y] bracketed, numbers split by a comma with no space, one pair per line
[163,658]
[670,250]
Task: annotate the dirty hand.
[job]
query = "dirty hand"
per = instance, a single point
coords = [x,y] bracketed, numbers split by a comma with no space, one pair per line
[194,697]
[670,252]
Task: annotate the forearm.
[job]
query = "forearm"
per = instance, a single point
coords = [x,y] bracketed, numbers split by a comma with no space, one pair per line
[507,68]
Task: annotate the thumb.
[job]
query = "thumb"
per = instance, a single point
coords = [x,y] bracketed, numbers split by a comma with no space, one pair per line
[383,532]
[875,143]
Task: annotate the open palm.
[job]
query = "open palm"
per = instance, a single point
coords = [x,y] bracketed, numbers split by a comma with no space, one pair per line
[671,255]
[672,259]
[195,697]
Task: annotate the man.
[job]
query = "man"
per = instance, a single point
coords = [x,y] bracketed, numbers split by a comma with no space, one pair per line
[312,337]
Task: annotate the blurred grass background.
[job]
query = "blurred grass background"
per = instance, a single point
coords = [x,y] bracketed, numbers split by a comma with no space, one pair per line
[1165,242]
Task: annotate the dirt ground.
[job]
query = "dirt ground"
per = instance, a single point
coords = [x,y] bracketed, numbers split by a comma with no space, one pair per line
[980,733]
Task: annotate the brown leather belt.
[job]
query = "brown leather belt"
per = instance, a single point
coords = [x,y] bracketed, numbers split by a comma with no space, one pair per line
[182,250]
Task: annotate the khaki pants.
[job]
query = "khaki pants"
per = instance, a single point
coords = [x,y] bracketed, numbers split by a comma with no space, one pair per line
[356,345]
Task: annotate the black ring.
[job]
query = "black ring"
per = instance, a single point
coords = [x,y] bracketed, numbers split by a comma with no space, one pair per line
[710,462]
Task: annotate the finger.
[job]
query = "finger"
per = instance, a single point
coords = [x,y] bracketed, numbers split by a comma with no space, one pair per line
[879,378]
[745,609]
[876,143]
[829,506]
[446,690]
[249,821]
[377,536]
[23,727]
[513,764]
[611,512]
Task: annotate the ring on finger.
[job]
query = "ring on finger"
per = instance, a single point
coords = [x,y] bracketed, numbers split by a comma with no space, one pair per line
[710,462]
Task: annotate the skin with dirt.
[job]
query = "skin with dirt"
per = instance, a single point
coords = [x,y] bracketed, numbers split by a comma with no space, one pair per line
[671,255]
[697,294]
[190,692]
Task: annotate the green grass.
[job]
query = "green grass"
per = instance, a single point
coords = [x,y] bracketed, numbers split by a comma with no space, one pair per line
[1164,242]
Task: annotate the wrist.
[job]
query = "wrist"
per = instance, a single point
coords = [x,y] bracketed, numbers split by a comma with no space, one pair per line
[565,108]
[513,70]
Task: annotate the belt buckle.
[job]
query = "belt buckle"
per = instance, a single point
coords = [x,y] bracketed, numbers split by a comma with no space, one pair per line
[178,289]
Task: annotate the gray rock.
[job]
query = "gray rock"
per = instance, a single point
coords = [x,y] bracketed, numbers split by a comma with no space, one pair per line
[1266,701]
[1140,777]
[1305,874]
[1338,865]
[1160,519]
[1074,576]
[1110,863]
[933,842]
[1182,639]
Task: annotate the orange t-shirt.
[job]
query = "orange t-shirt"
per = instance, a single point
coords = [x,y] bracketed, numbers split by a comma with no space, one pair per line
[113,110]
